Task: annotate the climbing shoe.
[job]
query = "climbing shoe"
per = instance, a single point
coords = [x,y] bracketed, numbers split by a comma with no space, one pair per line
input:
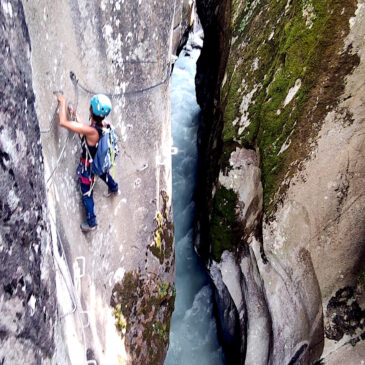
[111,193]
[86,228]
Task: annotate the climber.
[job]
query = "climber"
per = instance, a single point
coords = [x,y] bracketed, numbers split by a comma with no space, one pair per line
[100,107]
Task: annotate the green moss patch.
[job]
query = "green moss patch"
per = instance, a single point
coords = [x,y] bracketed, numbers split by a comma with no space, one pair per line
[223,226]
[142,310]
[277,46]
[361,279]
[163,236]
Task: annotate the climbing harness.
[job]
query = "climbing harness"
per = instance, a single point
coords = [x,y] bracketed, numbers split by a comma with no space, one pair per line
[103,159]
[83,171]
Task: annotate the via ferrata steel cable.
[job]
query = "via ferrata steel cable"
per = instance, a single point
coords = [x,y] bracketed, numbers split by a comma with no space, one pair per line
[127,93]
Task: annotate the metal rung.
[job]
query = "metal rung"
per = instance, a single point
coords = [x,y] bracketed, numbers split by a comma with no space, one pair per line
[87,316]
[174,150]
[73,310]
[144,167]
[82,259]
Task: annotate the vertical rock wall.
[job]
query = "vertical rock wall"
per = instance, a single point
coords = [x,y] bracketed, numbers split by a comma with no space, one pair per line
[114,287]
[27,290]
[282,177]
[122,49]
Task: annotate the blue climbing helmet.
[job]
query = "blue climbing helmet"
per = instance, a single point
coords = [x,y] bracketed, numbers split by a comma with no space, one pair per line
[101,105]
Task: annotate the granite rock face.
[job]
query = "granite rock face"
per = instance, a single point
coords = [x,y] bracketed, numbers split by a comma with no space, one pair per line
[67,297]
[282,177]
[27,290]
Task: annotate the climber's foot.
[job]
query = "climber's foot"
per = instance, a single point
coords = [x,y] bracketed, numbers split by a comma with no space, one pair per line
[111,193]
[86,228]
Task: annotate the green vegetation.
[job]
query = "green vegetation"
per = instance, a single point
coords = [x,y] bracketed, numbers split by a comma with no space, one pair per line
[164,289]
[361,279]
[223,222]
[120,321]
[161,330]
[124,296]
[143,309]
[163,237]
[299,42]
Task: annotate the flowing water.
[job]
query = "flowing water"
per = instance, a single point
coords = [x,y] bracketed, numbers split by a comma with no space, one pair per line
[193,337]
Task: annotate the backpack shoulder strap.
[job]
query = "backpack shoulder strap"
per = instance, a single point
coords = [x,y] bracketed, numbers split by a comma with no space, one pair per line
[99,129]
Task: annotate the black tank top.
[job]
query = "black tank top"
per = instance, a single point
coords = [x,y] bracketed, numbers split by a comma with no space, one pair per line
[92,149]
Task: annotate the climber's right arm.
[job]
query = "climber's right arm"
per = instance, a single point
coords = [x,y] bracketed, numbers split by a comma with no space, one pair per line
[73,126]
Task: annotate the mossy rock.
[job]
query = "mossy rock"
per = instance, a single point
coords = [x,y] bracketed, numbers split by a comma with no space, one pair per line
[224,224]
[302,41]
[143,309]
[163,236]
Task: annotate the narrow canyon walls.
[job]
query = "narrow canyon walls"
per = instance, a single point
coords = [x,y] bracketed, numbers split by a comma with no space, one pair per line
[282,180]
[104,297]
[27,290]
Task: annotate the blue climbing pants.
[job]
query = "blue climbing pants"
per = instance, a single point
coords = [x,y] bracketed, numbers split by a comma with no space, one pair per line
[88,200]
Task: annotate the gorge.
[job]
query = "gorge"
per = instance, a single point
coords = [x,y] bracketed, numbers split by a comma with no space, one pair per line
[193,335]
[280,193]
